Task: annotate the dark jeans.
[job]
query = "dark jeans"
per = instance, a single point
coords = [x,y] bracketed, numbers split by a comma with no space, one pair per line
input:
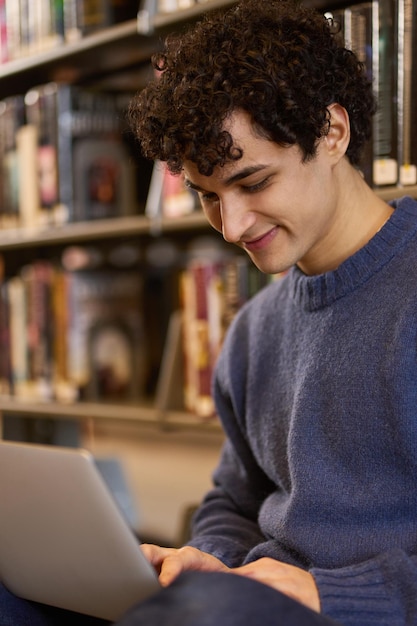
[194,599]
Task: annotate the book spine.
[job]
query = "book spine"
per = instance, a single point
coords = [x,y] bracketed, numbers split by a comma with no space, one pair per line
[41,112]
[406,110]
[106,344]
[46,35]
[235,287]
[25,26]
[104,170]
[10,121]
[13,28]
[63,388]
[413,121]
[177,199]
[64,103]
[358,34]
[16,294]
[27,153]
[93,15]
[3,183]
[37,281]
[57,18]
[72,30]
[188,311]
[384,66]
[5,365]
[203,333]
[4,47]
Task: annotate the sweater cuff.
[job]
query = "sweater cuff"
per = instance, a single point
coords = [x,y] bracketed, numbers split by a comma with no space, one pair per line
[229,552]
[358,594]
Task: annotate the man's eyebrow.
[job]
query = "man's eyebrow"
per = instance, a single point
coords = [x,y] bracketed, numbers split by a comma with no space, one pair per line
[242,174]
[191,185]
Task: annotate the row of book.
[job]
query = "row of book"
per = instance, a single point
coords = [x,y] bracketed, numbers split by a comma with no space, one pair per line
[28,27]
[383,33]
[64,157]
[72,335]
[212,292]
[82,334]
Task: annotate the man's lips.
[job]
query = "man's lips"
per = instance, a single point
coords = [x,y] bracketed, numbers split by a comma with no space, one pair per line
[260,242]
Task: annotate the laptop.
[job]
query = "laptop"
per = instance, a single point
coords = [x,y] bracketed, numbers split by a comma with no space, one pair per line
[63,540]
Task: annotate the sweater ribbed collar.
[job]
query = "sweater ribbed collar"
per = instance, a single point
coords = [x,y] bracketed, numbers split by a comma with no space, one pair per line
[316,292]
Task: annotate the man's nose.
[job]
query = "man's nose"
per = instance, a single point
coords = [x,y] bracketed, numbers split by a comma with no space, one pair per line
[236,219]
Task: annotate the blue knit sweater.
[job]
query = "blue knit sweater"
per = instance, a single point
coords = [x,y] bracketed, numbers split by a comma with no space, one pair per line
[317,390]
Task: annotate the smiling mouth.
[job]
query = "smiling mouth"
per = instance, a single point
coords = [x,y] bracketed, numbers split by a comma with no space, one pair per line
[261,242]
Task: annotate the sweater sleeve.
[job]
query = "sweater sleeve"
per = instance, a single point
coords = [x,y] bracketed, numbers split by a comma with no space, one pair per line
[226,523]
[379,592]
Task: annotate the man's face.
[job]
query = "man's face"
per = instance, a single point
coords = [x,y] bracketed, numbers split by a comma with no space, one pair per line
[280,210]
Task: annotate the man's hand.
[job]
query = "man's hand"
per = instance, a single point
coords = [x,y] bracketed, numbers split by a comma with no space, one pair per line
[170,562]
[290,580]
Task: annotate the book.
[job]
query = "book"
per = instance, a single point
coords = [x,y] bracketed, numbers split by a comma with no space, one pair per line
[25,40]
[44,25]
[177,199]
[16,295]
[106,338]
[170,384]
[41,112]
[73,335]
[93,15]
[236,286]
[407,74]
[5,371]
[384,70]
[202,331]
[92,158]
[370,31]
[358,36]
[83,17]
[57,17]
[153,206]
[72,31]
[105,186]
[28,188]
[412,103]
[4,49]
[11,120]
[37,283]
[13,31]
[63,389]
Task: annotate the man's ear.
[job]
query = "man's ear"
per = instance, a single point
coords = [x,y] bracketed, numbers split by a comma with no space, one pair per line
[338,137]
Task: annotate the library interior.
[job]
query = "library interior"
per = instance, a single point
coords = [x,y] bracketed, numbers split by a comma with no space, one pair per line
[115,293]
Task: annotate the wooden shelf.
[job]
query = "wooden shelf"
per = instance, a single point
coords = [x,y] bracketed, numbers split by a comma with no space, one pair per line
[98,229]
[140,414]
[135,225]
[390,193]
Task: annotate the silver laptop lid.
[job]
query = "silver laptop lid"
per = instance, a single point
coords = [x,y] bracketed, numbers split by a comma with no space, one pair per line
[63,540]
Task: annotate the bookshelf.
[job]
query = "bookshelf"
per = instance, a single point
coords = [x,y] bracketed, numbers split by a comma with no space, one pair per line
[118,48]
[143,415]
[96,230]
[116,56]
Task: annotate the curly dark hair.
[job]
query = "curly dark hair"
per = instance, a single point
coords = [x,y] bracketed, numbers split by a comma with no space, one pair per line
[276,60]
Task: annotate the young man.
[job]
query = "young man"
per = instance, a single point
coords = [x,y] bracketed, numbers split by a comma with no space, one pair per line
[314,497]
[315,494]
